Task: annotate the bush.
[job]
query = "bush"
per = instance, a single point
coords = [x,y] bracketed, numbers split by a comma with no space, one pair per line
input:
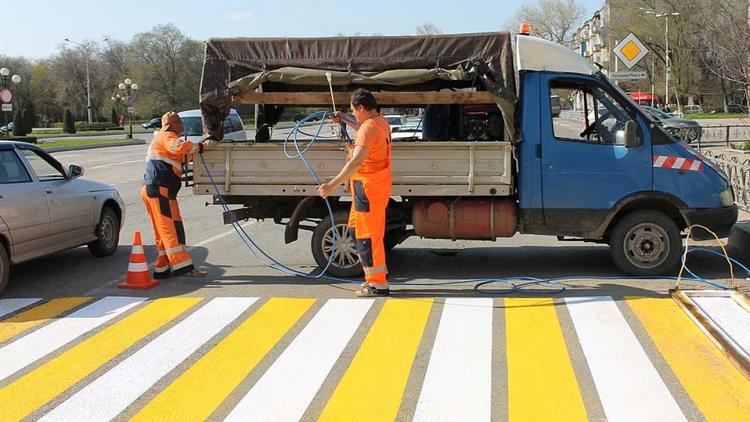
[30,117]
[113,119]
[96,126]
[19,128]
[68,124]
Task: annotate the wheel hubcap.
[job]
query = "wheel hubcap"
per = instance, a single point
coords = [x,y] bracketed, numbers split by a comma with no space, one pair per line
[344,251]
[108,232]
[646,245]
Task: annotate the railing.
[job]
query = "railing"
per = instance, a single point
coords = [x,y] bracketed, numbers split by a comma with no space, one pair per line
[717,135]
[738,170]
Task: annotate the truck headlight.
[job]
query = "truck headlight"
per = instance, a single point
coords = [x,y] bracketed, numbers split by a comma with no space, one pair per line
[726,197]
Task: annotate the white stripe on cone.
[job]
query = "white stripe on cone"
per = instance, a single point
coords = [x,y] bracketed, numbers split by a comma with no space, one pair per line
[137,267]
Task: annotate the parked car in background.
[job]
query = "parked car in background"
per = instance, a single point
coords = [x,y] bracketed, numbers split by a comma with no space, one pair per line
[45,208]
[688,130]
[694,108]
[192,121]
[7,128]
[154,123]
[396,121]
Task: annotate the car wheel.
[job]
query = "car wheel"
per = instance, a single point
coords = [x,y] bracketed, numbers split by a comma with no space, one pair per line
[4,268]
[345,261]
[646,243]
[107,234]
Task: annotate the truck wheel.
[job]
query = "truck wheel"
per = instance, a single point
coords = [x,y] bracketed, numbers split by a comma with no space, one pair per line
[4,268]
[107,234]
[646,243]
[345,259]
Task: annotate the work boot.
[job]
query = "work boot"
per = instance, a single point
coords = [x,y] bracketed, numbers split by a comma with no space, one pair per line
[195,273]
[370,291]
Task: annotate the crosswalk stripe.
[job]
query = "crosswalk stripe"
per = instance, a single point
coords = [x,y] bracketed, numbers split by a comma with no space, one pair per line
[290,384]
[205,385]
[26,350]
[717,388]
[627,382]
[110,394]
[11,305]
[373,385]
[458,382]
[38,315]
[732,318]
[539,367]
[46,382]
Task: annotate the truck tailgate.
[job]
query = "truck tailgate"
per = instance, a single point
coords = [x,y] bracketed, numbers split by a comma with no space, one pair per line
[419,169]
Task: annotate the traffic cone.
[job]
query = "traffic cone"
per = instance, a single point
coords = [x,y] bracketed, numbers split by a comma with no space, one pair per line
[138,276]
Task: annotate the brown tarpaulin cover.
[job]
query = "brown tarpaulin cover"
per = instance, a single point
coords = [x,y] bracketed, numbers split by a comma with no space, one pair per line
[236,65]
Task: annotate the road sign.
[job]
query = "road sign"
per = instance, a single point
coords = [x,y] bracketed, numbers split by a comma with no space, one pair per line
[131,110]
[627,76]
[6,96]
[630,50]
[7,107]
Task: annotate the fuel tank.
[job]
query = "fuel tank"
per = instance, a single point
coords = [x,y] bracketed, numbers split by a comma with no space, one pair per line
[465,218]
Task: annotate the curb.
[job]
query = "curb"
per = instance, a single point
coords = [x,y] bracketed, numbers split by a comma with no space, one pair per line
[95,146]
[739,239]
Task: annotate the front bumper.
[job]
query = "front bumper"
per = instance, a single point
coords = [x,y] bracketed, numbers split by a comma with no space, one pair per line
[718,220]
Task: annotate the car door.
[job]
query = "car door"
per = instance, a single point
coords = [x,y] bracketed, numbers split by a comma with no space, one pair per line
[23,207]
[586,168]
[71,205]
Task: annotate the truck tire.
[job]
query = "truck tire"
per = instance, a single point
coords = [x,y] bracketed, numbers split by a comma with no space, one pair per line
[107,234]
[346,261]
[646,243]
[4,268]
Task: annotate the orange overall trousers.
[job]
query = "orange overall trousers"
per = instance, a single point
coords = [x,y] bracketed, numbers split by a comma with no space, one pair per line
[370,194]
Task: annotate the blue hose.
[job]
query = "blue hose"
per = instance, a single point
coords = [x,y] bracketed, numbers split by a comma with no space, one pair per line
[516,284]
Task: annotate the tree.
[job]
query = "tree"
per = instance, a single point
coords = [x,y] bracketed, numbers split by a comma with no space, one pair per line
[554,20]
[29,120]
[428,29]
[113,119]
[18,124]
[69,125]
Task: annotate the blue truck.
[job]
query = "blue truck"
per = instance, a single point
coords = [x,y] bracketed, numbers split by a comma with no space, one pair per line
[519,135]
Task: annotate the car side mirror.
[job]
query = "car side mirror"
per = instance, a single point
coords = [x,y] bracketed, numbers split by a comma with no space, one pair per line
[627,136]
[75,170]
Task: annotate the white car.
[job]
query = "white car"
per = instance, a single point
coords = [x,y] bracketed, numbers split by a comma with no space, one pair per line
[45,208]
[396,121]
[192,121]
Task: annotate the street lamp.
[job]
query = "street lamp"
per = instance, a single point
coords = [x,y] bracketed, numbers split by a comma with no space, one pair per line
[128,88]
[7,96]
[86,48]
[666,16]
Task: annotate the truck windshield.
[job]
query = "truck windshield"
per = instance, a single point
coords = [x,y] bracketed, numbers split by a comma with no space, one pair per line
[193,126]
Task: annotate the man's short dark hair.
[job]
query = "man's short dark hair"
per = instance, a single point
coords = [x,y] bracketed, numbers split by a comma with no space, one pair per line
[364,98]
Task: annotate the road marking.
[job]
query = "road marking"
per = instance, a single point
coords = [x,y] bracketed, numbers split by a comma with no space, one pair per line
[46,382]
[729,316]
[290,384]
[197,393]
[118,164]
[458,382]
[373,385]
[717,388]
[218,236]
[8,306]
[629,386]
[38,315]
[26,350]
[539,367]
[110,394]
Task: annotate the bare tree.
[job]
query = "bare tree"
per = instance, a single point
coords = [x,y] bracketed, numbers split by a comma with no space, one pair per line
[428,28]
[554,20]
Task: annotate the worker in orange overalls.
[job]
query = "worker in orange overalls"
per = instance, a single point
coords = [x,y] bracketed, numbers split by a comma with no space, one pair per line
[368,170]
[159,193]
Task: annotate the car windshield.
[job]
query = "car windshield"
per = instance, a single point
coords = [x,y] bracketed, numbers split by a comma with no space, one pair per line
[657,113]
[193,126]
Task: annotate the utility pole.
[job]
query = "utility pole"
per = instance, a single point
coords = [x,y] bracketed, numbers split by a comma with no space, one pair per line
[86,49]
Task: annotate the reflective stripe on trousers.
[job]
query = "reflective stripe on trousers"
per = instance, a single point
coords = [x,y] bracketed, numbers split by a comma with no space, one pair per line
[169,232]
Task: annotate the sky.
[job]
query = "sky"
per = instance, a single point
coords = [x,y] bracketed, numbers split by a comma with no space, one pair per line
[36,28]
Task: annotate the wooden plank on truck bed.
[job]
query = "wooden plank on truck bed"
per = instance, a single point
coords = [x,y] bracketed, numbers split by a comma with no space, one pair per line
[419,169]
[383,98]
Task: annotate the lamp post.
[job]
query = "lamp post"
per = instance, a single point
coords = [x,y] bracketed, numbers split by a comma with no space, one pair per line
[7,96]
[666,16]
[86,48]
[128,88]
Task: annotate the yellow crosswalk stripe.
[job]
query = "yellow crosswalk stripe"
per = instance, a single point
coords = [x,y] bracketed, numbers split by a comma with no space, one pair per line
[373,385]
[38,315]
[197,393]
[716,387]
[541,382]
[46,382]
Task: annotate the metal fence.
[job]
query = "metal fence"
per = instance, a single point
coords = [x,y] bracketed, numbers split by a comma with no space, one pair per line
[718,135]
[738,170]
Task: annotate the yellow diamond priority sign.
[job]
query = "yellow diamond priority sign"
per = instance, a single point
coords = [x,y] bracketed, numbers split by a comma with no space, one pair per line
[630,50]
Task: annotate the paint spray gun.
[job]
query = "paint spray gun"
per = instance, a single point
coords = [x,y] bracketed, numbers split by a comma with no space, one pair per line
[345,118]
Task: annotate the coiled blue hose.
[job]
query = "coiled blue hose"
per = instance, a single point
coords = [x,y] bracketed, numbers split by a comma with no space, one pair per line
[518,284]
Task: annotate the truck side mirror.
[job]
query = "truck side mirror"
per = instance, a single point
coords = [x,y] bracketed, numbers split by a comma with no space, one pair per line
[627,136]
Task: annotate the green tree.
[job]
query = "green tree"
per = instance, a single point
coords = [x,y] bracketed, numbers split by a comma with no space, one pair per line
[69,125]
[18,124]
[114,116]
[29,117]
